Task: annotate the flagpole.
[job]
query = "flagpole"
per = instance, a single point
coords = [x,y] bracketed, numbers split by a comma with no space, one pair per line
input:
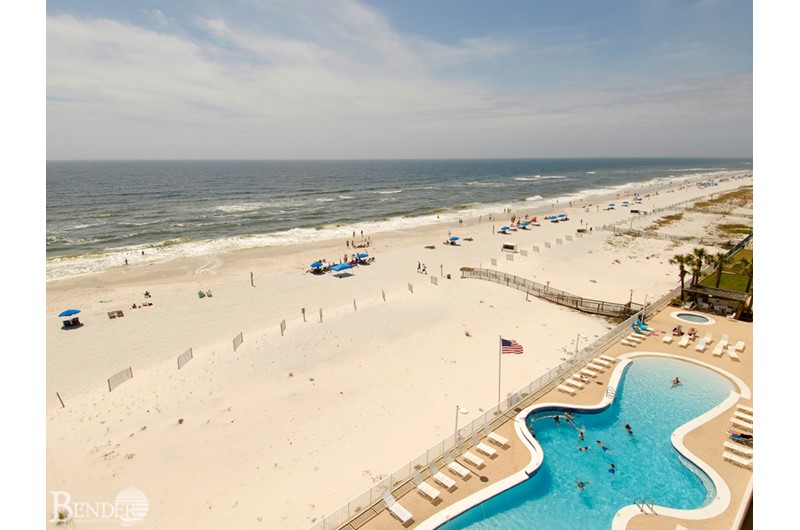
[499,365]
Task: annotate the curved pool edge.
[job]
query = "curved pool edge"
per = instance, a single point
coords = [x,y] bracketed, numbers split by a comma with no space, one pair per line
[537,456]
[625,514]
[723,496]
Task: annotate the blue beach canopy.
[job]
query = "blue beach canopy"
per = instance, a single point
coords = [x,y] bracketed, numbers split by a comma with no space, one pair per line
[612,204]
[503,229]
[341,266]
[525,223]
[562,215]
[454,238]
[316,265]
[362,255]
[69,312]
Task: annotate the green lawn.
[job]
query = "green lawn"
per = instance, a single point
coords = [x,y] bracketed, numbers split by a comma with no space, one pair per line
[730,280]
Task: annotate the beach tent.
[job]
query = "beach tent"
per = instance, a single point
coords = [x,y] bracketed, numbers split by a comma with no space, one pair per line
[69,312]
[341,266]
[362,255]
[504,229]
[316,265]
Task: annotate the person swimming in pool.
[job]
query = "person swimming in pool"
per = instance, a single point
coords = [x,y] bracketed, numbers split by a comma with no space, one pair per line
[581,485]
[602,446]
[629,429]
[676,382]
[612,469]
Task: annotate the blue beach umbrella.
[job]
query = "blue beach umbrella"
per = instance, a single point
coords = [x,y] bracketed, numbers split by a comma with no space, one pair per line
[69,312]
[341,266]
[454,238]
[525,223]
[316,265]
[503,229]
[612,205]
[362,255]
[562,215]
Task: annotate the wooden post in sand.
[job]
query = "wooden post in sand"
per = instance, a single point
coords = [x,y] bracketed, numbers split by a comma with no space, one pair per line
[320,315]
[60,400]
[355,307]
[251,280]
[383,294]
[303,310]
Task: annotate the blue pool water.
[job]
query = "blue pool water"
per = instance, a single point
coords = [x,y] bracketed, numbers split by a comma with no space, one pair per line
[693,317]
[647,465]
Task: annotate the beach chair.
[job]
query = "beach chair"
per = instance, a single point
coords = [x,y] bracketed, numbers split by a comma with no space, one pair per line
[701,346]
[575,383]
[719,350]
[602,362]
[397,510]
[499,440]
[732,353]
[667,338]
[628,342]
[444,480]
[428,490]
[458,469]
[745,408]
[738,460]
[709,337]
[607,358]
[738,448]
[684,343]
[739,346]
[571,390]
[589,373]
[743,425]
[485,449]
[596,367]
[724,340]
[473,459]
[743,416]
[635,337]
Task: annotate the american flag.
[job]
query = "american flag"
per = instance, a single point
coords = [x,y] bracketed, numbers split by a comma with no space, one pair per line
[510,346]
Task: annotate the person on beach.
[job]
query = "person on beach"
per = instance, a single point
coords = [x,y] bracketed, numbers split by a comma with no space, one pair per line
[419,266]
[692,333]
[676,382]
[677,331]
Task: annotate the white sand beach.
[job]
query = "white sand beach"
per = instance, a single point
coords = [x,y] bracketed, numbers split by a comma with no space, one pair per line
[288,427]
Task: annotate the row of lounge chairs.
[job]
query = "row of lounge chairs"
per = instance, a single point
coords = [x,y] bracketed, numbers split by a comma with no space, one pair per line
[722,347]
[739,450]
[590,371]
[441,478]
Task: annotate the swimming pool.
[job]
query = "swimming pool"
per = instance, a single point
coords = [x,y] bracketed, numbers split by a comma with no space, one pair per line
[647,465]
[693,318]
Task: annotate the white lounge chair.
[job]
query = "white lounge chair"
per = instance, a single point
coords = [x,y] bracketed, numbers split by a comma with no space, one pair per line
[473,459]
[596,367]
[732,353]
[396,508]
[602,362]
[743,416]
[701,346]
[636,337]
[738,448]
[571,390]
[724,340]
[485,449]
[745,408]
[589,373]
[428,490]
[502,441]
[458,469]
[684,341]
[607,358]
[739,346]
[709,337]
[667,338]
[743,425]
[575,383]
[628,342]
[444,480]
[738,460]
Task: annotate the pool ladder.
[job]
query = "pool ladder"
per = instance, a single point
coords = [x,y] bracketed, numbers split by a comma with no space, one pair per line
[611,392]
[644,502]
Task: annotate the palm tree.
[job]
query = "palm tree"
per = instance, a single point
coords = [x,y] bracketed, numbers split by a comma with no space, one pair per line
[719,260]
[681,260]
[745,266]
[699,254]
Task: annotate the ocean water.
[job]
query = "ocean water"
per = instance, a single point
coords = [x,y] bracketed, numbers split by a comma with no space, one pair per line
[101,212]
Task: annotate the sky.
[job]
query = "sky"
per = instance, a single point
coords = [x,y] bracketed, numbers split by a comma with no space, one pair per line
[350,79]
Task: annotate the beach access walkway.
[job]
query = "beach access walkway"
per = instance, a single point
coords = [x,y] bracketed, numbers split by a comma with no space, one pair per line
[556,296]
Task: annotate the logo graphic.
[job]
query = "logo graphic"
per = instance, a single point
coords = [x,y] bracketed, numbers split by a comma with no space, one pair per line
[129,507]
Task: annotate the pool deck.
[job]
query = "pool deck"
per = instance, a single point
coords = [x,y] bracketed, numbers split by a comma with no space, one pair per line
[704,440]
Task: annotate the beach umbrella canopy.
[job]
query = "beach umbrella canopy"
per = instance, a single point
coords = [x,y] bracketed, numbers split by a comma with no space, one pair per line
[69,312]
[503,229]
[362,255]
[316,265]
[525,223]
[562,215]
[454,238]
[612,204]
[341,266]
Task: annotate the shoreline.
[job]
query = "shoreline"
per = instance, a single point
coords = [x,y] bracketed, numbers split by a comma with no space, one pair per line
[344,400]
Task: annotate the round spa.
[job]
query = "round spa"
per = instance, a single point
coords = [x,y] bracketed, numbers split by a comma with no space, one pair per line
[693,318]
